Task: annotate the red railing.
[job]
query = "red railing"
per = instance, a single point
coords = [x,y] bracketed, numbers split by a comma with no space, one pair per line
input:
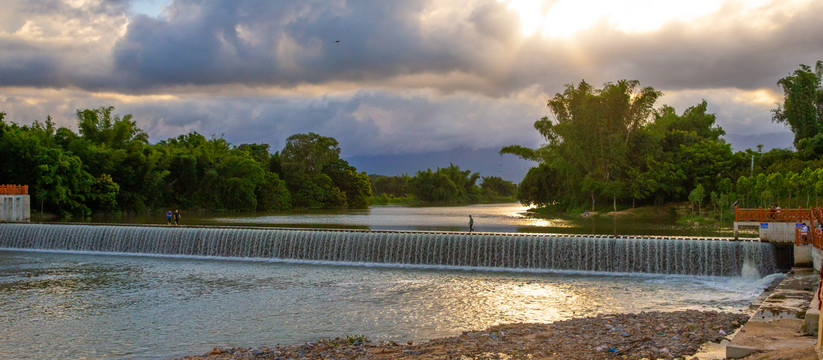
[14,189]
[803,237]
[812,217]
[817,230]
[774,215]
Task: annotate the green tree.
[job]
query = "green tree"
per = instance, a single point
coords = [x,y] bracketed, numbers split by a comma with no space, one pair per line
[766,197]
[100,127]
[114,145]
[446,185]
[103,194]
[57,179]
[318,178]
[259,152]
[802,108]
[590,140]
[354,186]
[494,188]
[392,185]
[696,196]
[465,181]
[317,191]
[239,177]
[722,203]
[434,187]
[309,153]
[542,186]
[110,166]
[745,186]
[61,183]
[272,193]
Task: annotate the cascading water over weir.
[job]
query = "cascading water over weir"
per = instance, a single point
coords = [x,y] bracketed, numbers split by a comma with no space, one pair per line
[504,251]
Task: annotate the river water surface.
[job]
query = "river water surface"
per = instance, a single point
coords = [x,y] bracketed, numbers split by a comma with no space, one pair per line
[512,217]
[59,305]
[91,306]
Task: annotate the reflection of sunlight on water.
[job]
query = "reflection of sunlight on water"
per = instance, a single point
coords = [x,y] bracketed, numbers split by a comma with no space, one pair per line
[540,222]
[513,217]
[197,298]
[515,211]
[522,302]
[488,217]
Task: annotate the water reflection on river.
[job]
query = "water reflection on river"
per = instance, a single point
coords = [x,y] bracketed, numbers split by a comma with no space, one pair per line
[123,307]
[512,217]
[85,306]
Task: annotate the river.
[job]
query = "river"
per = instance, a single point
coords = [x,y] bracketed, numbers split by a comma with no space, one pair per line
[511,217]
[75,305]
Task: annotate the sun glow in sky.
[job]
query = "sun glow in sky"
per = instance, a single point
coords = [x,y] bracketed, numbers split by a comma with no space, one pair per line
[431,82]
[564,18]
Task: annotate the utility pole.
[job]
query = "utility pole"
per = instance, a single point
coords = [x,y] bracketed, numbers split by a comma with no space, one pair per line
[752,173]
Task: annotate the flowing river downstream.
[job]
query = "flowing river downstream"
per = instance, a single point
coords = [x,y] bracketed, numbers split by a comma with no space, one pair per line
[111,292]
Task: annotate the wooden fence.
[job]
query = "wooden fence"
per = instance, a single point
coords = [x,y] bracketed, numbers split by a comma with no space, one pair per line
[813,217]
[14,189]
[774,215]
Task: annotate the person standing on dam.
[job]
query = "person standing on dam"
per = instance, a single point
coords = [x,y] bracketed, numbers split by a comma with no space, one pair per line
[168,218]
[176,217]
[471,224]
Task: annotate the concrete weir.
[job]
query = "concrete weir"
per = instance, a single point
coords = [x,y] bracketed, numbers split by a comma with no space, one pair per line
[782,235]
[423,249]
[784,317]
[15,208]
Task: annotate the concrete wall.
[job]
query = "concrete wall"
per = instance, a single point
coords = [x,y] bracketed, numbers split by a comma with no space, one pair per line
[804,255]
[774,232]
[817,258]
[15,208]
[778,232]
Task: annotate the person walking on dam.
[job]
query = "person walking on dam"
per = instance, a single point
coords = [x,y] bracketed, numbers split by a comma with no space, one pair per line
[471,224]
[168,217]
[176,217]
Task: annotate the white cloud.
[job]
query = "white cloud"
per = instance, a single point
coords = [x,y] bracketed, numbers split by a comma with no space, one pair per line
[405,77]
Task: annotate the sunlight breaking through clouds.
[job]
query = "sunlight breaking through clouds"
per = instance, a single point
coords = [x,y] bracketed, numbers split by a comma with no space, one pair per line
[405,77]
[564,18]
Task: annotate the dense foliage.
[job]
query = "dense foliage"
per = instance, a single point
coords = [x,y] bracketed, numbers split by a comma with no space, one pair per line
[611,145]
[109,165]
[802,107]
[448,185]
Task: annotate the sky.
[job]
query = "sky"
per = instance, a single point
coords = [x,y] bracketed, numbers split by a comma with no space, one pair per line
[402,85]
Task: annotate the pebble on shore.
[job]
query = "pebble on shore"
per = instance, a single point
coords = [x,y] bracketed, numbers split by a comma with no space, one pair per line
[647,335]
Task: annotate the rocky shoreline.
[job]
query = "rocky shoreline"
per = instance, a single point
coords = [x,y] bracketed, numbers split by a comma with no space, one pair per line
[650,335]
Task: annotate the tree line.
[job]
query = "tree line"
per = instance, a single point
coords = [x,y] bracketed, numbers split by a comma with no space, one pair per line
[612,146]
[109,165]
[448,186]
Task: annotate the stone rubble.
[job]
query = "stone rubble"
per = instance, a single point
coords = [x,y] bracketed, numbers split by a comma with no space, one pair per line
[647,335]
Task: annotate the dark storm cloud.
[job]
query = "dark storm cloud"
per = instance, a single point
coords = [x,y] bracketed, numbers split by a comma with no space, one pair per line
[288,43]
[406,77]
[51,43]
[295,42]
[280,43]
[365,123]
[21,70]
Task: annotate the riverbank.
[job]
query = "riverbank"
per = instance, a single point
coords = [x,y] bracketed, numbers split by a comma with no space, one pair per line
[645,335]
[784,324]
[772,328]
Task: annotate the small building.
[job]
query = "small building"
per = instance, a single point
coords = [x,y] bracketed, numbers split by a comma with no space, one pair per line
[783,226]
[15,203]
